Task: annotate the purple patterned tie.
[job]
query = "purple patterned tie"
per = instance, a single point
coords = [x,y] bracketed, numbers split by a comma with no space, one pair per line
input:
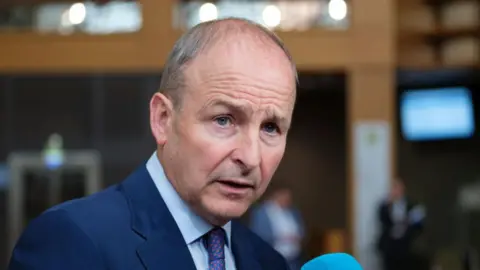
[215,240]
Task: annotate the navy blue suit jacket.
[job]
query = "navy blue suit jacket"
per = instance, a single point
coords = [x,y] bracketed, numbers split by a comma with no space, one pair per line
[127,226]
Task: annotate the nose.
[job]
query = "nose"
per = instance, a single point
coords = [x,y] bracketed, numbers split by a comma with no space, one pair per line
[247,154]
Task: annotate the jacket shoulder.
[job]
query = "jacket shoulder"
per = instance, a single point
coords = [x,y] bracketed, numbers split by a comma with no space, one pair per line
[95,213]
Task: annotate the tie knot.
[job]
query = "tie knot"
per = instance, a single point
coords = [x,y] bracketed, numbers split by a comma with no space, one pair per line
[215,240]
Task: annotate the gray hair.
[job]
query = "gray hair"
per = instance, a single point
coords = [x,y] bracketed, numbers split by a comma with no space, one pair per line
[198,39]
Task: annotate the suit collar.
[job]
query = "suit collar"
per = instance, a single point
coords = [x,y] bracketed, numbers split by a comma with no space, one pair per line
[164,246]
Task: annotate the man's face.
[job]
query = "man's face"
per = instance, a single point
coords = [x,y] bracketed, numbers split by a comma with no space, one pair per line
[224,144]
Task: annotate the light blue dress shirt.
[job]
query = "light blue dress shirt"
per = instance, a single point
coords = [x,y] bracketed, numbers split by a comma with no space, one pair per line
[192,226]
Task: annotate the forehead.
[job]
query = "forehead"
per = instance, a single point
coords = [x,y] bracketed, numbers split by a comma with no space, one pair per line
[244,61]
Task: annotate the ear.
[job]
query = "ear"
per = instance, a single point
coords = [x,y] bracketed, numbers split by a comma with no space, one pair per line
[161,109]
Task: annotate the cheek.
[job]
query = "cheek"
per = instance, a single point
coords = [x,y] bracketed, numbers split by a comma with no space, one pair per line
[270,164]
[208,152]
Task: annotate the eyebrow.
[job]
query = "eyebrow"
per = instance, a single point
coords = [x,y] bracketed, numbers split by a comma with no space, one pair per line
[271,113]
[273,116]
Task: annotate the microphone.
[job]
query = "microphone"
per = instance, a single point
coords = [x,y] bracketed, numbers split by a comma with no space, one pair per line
[333,261]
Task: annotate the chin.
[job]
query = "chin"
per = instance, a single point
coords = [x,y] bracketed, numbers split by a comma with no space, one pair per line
[226,210]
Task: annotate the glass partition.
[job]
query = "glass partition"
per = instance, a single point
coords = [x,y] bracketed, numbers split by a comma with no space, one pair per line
[63,17]
[296,15]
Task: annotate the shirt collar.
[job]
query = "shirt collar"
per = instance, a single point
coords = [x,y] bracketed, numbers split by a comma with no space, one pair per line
[190,224]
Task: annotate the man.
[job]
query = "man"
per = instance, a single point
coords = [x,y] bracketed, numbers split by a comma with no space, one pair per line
[401,224]
[220,121]
[280,225]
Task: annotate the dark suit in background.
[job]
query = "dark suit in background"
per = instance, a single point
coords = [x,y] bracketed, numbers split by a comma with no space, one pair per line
[398,234]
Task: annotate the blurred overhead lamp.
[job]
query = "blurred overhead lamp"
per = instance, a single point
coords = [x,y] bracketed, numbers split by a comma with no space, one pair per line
[77,13]
[337,9]
[208,12]
[272,16]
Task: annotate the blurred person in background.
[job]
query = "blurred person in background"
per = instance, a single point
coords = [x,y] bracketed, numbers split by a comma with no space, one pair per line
[401,225]
[281,225]
[220,121]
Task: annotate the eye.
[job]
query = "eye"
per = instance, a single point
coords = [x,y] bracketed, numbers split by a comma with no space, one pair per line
[223,121]
[271,128]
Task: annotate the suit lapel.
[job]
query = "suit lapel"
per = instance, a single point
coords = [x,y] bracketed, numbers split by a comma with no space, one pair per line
[243,250]
[164,251]
[163,246]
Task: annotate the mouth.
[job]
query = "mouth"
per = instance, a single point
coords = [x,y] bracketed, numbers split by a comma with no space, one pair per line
[236,183]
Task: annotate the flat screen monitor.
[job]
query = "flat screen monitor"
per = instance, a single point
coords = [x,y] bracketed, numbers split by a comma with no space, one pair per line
[437,114]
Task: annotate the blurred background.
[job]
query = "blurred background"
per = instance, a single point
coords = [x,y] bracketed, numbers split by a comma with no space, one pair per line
[389,92]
